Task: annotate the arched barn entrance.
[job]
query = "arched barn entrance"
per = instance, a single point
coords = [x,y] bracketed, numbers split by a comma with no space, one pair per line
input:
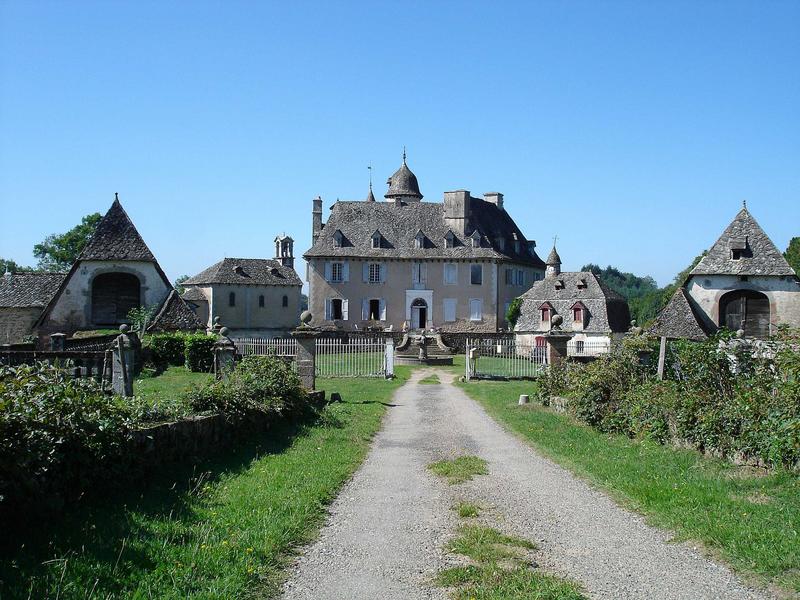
[745,309]
[113,296]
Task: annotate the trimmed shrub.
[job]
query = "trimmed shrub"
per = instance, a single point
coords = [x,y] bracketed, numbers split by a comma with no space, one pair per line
[167,349]
[258,383]
[199,352]
[56,435]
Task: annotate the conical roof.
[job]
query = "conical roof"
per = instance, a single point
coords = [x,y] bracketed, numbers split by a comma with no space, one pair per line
[553,258]
[175,315]
[403,184]
[116,238]
[757,255]
[678,320]
[370,196]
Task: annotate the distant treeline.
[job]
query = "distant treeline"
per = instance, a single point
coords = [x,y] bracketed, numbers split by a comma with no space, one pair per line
[644,296]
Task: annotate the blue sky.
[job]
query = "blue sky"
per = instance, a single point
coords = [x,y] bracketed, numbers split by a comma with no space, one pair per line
[631,130]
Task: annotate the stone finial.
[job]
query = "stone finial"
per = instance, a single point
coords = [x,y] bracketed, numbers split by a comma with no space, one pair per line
[224,331]
[556,321]
[124,328]
[305,318]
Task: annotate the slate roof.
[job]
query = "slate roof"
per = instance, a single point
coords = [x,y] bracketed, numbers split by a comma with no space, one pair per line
[175,315]
[607,310]
[253,271]
[116,238]
[403,183]
[760,256]
[678,319]
[399,225]
[553,258]
[194,294]
[21,290]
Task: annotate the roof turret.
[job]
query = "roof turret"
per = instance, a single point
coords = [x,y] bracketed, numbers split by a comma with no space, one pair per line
[403,184]
[553,258]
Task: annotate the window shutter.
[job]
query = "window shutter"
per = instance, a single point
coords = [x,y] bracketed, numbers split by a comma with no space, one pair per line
[449,309]
[346,271]
[327,271]
[382,308]
[364,309]
[365,272]
[345,311]
[327,309]
[383,273]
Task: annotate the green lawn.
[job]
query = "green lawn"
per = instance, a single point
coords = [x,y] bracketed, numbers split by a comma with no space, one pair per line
[751,519]
[161,398]
[221,529]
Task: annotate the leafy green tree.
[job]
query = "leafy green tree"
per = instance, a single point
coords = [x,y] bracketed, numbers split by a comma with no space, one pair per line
[178,283]
[680,278]
[6,264]
[513,312]
[792,254]
[57,251]
[642,293]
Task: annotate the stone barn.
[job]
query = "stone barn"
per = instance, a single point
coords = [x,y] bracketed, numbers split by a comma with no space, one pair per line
[744,282]
[23,297]
[114,273]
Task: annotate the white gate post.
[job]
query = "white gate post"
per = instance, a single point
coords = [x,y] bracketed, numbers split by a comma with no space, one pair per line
[389,358]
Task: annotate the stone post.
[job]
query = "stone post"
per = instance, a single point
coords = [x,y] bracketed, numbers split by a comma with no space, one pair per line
[306,337]
[224,355]
[122,366]
[58,342]
[389,358]
[556,347]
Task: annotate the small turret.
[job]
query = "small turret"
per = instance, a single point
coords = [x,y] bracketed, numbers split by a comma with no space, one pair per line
[553,263]
[284,250]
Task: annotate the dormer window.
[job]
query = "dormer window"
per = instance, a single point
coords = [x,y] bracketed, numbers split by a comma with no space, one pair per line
[501,244]
[476,239]
[581,284]
[338,238]
[377,240]
[546,311]
[738,248]
[419,240]
[559,284]
[578,315]
[449,240]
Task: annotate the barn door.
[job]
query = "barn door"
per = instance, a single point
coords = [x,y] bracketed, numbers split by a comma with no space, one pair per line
[113,296]
[745,309]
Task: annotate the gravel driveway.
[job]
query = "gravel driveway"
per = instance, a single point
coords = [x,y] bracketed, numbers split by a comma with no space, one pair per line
[386,530]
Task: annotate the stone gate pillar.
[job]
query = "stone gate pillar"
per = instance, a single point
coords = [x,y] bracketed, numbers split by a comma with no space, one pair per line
[556,347]
[306,337]
[122,364]
[58,342]
[224,355]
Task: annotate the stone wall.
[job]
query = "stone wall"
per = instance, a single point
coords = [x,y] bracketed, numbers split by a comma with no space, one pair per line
[16,323]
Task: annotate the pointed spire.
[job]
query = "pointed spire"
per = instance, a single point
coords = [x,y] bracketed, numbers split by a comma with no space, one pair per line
[404,155]
[553,261]
[116,196]
[744,204]
[370,196]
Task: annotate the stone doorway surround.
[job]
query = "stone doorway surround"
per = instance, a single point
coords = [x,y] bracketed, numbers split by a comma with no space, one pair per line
[427,296]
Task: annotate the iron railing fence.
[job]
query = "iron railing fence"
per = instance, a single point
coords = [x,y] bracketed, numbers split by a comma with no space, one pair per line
[588,348]
[504,358]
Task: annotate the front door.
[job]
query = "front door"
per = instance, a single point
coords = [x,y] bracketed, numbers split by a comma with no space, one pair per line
[419,314]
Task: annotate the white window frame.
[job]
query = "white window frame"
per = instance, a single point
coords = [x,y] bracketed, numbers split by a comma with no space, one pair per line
[375,272]
[329,309]
[452,267]
[473,315]
[449,309]
[337,277]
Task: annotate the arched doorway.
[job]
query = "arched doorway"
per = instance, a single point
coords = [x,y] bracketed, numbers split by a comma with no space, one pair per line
[419,314]
[745,309]
[113,296]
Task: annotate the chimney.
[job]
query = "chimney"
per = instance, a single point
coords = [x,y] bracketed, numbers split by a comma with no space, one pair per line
[316,219]
[495,198]
[456,210]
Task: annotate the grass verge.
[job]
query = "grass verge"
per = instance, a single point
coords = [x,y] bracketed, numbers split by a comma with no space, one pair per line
[467,510]
[461,469]
[751,519]
[500,571]
[221,529]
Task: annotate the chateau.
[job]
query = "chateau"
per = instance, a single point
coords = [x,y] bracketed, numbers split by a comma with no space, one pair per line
[454,265]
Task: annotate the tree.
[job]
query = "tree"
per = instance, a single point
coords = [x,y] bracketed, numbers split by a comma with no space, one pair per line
[514,310]
[6,264]
[792,254]
[57,252]
[642,293]
[178,283]
[680,278]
